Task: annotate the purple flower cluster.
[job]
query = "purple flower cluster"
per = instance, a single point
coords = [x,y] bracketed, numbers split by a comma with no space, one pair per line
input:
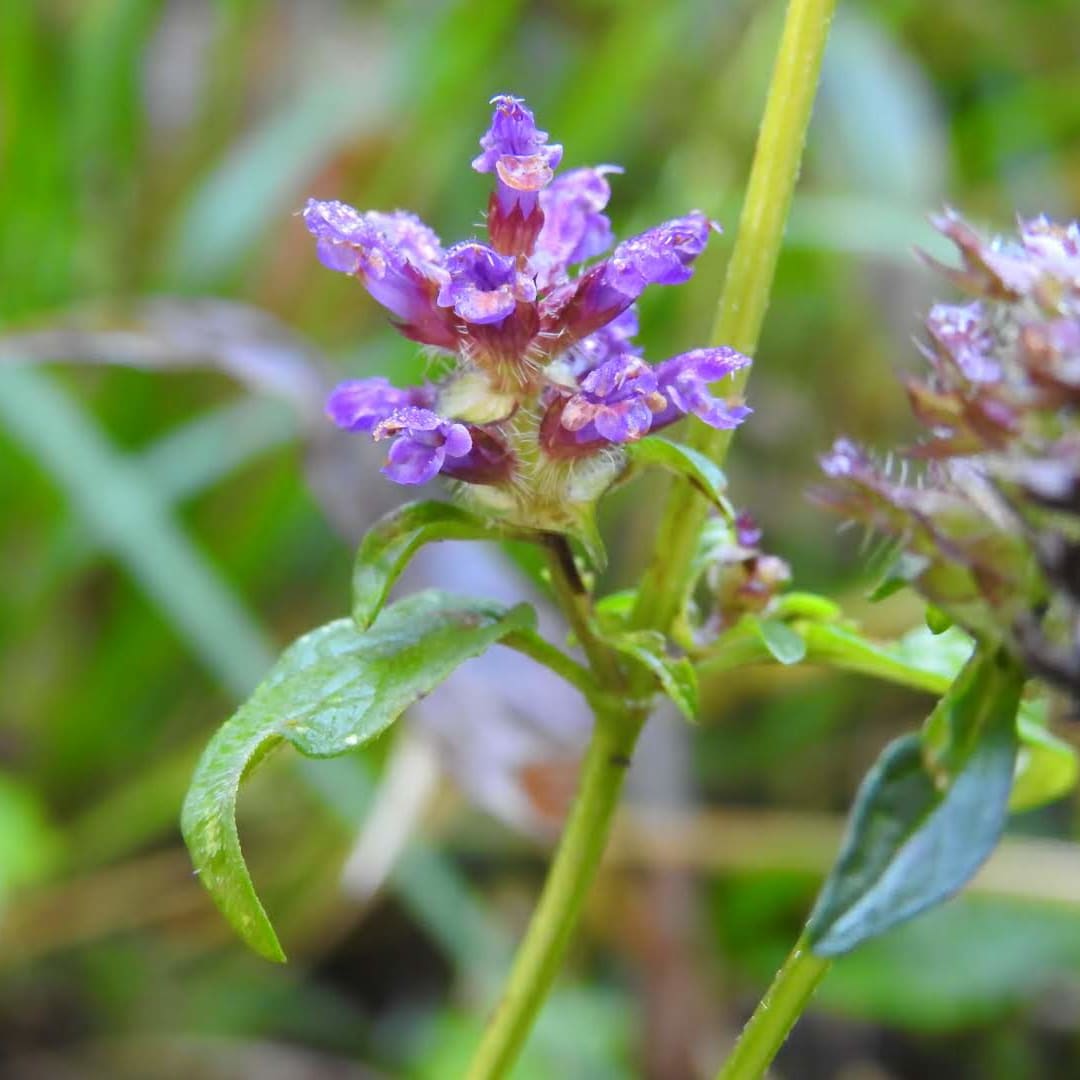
[992,528]
[547,379]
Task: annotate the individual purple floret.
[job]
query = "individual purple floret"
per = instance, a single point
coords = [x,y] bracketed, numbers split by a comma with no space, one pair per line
[360,404]
[483,286]
[517,152]
[423,441]
[616,402]
[684,382]
[624,399]
[398,258]
[961,333]
[661,256]
[575,227]
[615,339]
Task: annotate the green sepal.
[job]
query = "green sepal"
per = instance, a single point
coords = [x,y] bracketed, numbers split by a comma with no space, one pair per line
[391,542]
[332,691]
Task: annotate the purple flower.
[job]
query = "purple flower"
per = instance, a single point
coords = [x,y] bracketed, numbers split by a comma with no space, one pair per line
[684,382]
[747,530]
[614,339]
[517,152]
[545,366]
[1056,247]
[396,255]
[663,255]
[615,403]
[961,333]
[483,286]
[423,441]
[575,227]
[360,404]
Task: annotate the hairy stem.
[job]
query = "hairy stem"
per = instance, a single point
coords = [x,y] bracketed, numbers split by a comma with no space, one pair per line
[775,1016]
[748,283]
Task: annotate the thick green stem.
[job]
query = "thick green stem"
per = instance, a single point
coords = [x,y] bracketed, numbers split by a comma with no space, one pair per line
[774,1017]
[576,862]
[748,283]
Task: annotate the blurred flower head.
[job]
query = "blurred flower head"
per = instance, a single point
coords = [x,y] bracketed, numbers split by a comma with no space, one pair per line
[989,526]
[546,385]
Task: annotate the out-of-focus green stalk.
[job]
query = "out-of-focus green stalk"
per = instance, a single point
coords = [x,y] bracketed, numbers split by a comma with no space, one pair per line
[748,283]
[774,1017]
[742,309]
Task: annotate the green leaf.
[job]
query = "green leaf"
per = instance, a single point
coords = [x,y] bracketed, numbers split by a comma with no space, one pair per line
[937,621]
[333,690]
[927,816]
[785,645]
[805,605]
[685,461]
[676,675]
[390,543]
[613,611]
[1046,767]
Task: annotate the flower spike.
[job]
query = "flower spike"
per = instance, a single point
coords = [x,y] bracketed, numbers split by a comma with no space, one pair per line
[547,386]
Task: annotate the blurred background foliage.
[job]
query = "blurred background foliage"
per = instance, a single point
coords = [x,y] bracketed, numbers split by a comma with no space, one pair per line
[161,538]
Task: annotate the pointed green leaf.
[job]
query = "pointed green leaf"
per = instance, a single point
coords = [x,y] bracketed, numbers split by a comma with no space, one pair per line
[706,476]
[676,675]
[391,542]
[333,690]
[920,829]
[785,644]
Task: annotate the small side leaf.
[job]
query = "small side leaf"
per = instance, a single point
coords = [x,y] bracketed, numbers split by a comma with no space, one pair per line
[785,644]
[613,611]
[917,835]
[333,690]
[1046,768]
[391,542]
[707,477]
[676,675]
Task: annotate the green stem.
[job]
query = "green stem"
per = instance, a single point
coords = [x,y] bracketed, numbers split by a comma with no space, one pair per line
[742,308]
[573,598]
[775,1016]
[576,862]
[748,283]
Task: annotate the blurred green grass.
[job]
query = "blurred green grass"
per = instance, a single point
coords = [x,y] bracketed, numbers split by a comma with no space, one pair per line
[160,540]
